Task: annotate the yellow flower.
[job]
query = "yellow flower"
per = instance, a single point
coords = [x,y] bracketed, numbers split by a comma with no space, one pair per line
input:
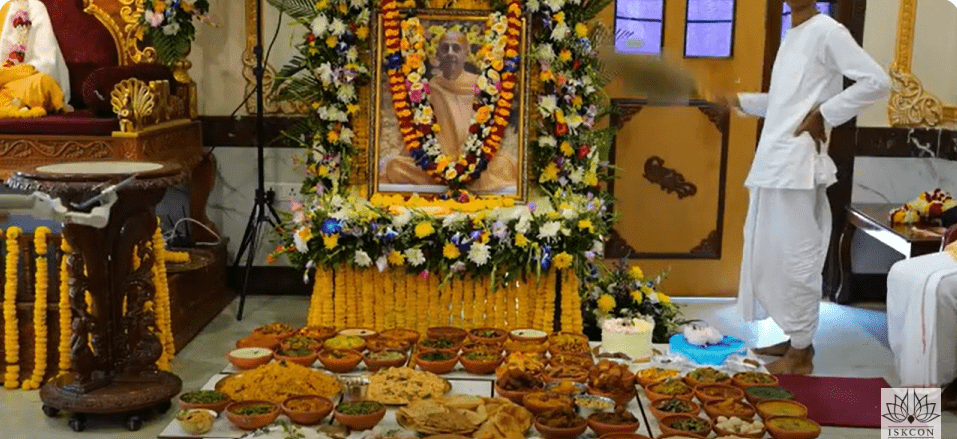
[332,136]
[323,171]
[663,298]
[352,108]
[606,303]
[450,251]
[581,30]
[636,272]
[646,290]
[396,258]
[638,296]
[550,173]
[362,32]
[483,114]
[322,4]
[559,17]
[330,241]
[343,7]
[565,55]
[424,229]
[567,149]
[520,240]
[586,225]
[563,260]
[331,41]
[577,101]
[590,179]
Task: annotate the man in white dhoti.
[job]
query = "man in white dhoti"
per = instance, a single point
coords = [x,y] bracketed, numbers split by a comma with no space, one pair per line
[789,220]
[922,321]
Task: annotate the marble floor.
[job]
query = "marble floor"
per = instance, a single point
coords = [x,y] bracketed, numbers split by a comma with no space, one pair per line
[851,342]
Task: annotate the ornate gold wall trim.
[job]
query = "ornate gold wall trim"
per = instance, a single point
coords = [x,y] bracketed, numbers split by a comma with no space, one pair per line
[910,105]
[121,18]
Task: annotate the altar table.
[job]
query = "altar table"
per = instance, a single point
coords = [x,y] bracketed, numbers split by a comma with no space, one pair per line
[462,383]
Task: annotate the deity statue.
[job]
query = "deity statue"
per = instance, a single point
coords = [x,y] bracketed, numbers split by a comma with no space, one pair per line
[34,79]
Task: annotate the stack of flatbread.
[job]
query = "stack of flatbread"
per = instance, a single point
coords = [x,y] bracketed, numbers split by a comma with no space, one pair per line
[482,418]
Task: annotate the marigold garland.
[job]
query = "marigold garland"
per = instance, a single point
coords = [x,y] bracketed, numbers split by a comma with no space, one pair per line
[161,300]
[575,306]
[177,257]
[66,313]
[445,304]
[11,343]
[42,280]
[380,300]
[386,290]
[437,317]
[511,318]
[401,299]
[421,289]
[468,303]
[368,301]
[549,295]
[455,307]
[340,296]
[566,319]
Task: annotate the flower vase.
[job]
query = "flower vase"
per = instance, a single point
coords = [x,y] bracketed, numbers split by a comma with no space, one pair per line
[631,337]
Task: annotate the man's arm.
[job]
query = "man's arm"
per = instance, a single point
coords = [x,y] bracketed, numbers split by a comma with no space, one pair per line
[754,104]
[853,62]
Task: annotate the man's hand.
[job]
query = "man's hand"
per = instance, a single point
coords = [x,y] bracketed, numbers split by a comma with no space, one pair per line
[728,101]
[813,124]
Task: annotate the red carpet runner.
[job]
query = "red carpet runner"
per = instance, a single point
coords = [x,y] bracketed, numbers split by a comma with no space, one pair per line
[838,402]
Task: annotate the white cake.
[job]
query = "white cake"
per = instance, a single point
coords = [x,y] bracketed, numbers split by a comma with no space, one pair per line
[631,337]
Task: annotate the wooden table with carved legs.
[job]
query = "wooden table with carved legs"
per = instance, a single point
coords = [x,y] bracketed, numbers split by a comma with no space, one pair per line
[113,349]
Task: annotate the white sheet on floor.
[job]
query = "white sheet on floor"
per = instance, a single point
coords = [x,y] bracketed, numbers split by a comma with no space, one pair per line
[922,319]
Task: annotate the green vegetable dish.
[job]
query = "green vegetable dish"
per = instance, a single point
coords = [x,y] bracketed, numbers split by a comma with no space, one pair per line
[296,352]
[671,387]
[488,333]
[436,356]
[358,407]
[438,343]
[203,397]
[675,406]
[253,410]
[483,356]
[770,393]
[690,424]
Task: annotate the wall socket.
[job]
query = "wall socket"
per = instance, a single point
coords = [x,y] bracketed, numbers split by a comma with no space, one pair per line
[284,192]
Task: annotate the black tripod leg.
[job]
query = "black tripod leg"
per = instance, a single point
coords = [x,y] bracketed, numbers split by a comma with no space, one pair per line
[253,230]
[247,236]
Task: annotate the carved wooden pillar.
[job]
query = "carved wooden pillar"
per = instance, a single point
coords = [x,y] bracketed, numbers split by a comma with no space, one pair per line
[113,347]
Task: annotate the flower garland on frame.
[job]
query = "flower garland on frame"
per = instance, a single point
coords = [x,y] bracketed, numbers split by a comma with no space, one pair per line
[21,27]
[326,76]
[405,55]
[66,313]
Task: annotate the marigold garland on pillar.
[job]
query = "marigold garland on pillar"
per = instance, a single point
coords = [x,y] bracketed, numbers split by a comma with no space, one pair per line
[401,300]
[368,301]
[386,290]
[422,294]
[549,294]
[379,314]
[455,286]
[340,296]
[161,300]
[481,302]
[42,280]
[10,339]
[64,310]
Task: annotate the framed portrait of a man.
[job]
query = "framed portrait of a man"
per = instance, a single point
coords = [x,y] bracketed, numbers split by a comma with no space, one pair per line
[454,51]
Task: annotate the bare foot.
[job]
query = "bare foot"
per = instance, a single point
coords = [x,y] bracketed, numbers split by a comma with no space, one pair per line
[777,350]
[794,362]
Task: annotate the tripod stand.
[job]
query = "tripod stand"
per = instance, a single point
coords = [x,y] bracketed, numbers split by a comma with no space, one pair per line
[263,211]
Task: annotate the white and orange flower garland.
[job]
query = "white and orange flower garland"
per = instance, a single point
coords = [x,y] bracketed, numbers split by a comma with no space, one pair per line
[405,55]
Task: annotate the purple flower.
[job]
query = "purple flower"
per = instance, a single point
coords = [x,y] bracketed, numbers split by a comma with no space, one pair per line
[424,274]
[415,96]
[532,207]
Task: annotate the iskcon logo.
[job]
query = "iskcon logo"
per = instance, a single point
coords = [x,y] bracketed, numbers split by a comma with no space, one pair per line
[911,413]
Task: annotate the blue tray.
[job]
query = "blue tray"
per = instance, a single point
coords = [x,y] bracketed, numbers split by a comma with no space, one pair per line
[712,354]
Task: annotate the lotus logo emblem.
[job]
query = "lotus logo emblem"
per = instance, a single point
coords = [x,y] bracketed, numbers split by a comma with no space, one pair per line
[911,408]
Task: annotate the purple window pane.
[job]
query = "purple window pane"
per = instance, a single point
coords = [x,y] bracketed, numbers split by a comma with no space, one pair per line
[711,40]
[638,37]
[650,9]
[710,10]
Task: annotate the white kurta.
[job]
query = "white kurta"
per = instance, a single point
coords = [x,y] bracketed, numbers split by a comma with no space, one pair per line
[808,72]
[922,319]
[788,226]
[43,50]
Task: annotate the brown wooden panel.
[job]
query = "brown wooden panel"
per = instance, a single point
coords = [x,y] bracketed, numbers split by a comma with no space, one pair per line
[671,185]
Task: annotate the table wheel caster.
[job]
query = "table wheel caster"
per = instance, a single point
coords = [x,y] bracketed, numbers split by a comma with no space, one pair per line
[134,422]
[164,407]
[78,422]
[50,411]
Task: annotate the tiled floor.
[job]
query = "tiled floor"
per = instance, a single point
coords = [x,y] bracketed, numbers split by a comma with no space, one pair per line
[851,342]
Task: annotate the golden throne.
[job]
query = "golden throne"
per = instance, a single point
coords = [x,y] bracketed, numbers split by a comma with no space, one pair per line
[126,106]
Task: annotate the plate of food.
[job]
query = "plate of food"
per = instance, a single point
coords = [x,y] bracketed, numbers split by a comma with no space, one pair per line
[465,415]
[277,381]
[402,385]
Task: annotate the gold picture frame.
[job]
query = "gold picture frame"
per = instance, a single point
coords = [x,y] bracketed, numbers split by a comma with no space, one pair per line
[910,105]
[270,104]
[380,105]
